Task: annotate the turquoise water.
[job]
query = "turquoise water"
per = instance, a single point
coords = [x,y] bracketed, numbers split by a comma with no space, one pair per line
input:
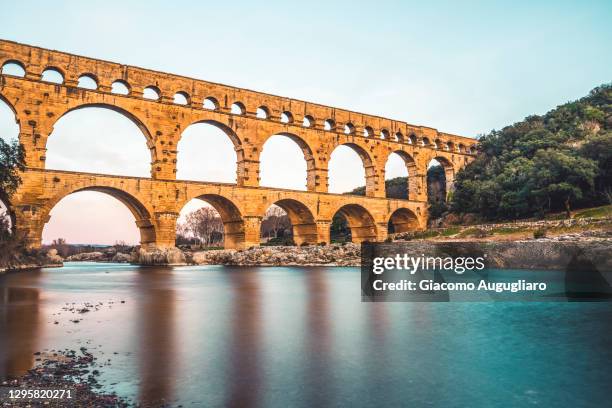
[276,337]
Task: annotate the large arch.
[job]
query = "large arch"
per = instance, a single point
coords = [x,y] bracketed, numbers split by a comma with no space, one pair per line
[360,222]
[204,143]
[303,224]
[403,220]
[269,173]
[233,222]
[104,127]
[142,215]
[368,167]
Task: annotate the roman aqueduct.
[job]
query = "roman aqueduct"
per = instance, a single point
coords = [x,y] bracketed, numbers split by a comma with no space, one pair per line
[248,118]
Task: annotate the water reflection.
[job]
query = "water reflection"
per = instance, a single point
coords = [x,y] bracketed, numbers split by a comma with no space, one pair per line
[318,339]
[19,323]
[156,335]
[244,378]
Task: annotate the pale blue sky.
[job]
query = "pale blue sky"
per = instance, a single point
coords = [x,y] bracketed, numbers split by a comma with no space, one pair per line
[462,67]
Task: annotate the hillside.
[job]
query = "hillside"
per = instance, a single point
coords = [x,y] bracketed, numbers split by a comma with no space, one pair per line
[559,161]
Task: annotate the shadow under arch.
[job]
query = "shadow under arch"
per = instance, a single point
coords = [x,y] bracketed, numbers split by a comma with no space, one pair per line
[368,165]
[411,168]
[233,223]
[142,215]
[403,220]
[360,222]
[302,221]
[306,150]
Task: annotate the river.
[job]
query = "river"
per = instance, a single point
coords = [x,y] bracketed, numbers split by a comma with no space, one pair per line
[298,336]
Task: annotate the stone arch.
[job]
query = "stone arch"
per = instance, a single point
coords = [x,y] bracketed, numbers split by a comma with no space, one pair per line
[306,151]
[235,141]
[411,168]
[127,114]
[403,220]
[143,215]
[449,173]
[231,216]
[51,70]
[241,165]
[368,165]
[302,221]
[360,222]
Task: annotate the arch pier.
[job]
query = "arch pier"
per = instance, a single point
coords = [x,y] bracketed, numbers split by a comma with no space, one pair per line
[163,105]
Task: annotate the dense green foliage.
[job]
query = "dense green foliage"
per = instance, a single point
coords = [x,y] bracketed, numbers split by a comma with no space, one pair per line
[560,160]
[11,162]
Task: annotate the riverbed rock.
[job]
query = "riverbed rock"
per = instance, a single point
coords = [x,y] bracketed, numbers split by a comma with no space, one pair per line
[158,256]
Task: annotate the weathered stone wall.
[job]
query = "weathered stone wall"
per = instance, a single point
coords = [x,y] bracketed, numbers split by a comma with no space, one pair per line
[155,202]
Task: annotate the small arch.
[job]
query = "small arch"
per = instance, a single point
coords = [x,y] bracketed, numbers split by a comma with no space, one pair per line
[286,117]
[329,125]
[53,75]
[425,141]
[473,149]
[181,98]
[263,113]
[412,139]
[399,137]
[437,144]
[87,81]
[237,108]
[461,148]
[360,222]
[120,87]
[449,146]
[13,68]
[368,131]
[151,92]
[211,103]
[349,129]
[402,220]
[384,134]
[308,121]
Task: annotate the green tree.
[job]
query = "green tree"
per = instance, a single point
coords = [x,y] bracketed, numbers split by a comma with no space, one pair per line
[11,162]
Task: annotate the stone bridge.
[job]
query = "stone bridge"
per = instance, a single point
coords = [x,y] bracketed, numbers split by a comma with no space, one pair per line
[163,105]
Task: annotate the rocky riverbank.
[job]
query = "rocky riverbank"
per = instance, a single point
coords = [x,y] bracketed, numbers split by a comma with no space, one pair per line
[330,255]
[18,260]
